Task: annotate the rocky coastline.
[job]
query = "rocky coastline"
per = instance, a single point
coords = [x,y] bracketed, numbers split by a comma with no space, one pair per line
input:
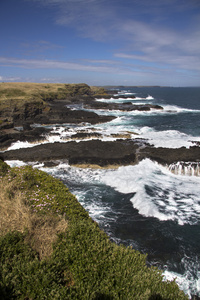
[84,149]
[101,153]
[93,152]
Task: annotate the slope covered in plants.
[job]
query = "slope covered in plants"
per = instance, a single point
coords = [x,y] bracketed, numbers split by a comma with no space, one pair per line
[82,263]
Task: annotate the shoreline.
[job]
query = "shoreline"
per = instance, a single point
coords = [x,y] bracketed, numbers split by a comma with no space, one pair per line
[82,148]
[96,153]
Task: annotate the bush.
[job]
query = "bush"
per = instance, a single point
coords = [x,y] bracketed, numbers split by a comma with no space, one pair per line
[84,263]
[103,270]
[23,276]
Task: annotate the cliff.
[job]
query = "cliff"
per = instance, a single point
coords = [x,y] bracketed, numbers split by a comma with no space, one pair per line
[33,102]
[37,212]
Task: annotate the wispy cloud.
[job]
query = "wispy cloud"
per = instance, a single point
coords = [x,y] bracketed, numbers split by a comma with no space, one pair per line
[162,46]
[39,49]
[129,70]
[133,38]
[39,46]
[134,26]
[89,65]
[9,78]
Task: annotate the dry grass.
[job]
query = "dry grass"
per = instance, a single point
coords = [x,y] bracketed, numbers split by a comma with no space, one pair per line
[25,90]
[15,214]
[28,89]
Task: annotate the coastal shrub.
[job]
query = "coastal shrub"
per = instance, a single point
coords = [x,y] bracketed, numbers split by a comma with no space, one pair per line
[102,268]
[83,263]
[24,276]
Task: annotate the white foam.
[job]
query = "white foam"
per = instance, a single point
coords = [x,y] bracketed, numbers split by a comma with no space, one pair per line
[177,109]
[189,281]
[185,168]
[149,97]
[129,99]
[167,138]
[158,193]
[19,163]
[19,144]
[120,125]
[15,163]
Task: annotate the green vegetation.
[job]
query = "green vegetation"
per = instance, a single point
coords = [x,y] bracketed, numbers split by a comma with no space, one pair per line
[24,92]
[22,98]
[82,264]
[8,93]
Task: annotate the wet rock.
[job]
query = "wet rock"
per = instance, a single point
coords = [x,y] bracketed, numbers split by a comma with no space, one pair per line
[168,155]
[27,126]
[11,136]
[82,135]
[59,113]
[86,152]
[125,106]
[120,152]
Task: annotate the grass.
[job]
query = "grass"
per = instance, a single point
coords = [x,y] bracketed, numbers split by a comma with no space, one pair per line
[41,231]
[23,90]
[82,263]
[27,91]
[21,97]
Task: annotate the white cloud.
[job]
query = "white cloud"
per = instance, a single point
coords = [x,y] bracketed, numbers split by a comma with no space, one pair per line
[9,78]
[162,46]
[89,65]
[40,46]
[137,26]
[138,73]
[141,34]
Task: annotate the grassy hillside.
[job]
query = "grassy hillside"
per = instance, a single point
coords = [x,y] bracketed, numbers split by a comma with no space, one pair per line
[23,91]
[18,98]
[51,249]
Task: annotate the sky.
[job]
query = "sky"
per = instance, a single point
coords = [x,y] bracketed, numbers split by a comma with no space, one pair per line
[100,42]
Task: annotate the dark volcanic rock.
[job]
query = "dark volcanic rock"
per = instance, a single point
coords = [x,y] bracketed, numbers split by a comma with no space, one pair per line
[7,137]
[59,113]
[82,135]
[125,106]
[168,155]
[86,152]
[121,152]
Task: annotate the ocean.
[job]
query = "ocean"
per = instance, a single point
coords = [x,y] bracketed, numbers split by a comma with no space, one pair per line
[147,206]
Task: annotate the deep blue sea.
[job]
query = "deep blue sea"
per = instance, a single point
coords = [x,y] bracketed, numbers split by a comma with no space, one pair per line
[147,206]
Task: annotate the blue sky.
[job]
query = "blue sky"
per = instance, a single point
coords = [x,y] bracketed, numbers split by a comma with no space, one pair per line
[101,42]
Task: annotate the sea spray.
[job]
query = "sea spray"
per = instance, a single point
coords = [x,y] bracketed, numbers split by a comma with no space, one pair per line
[158,193]
[185,168]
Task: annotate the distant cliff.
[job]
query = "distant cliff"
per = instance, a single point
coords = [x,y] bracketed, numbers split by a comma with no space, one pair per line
[32,102]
